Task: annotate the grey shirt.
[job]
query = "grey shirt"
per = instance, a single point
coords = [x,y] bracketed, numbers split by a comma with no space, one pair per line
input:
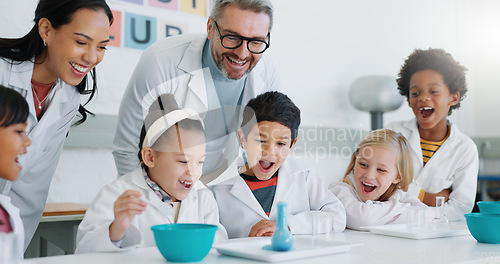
[221,119]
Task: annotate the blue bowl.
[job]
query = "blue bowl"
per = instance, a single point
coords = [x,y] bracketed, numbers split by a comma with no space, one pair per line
[485,228]
[489,207]
[184,242]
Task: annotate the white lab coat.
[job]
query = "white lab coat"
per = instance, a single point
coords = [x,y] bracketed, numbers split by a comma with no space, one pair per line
[454,165]
[370,213]
[15,222]
[173,65]
[29,192]
[299,186]
[93,232]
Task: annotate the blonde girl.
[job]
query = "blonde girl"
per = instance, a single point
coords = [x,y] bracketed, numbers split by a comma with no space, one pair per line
[373,190]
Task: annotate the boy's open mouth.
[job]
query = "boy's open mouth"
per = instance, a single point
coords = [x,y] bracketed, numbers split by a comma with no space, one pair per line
[367,187]
[186,184]
[17,162]
[425,112]
[265,165]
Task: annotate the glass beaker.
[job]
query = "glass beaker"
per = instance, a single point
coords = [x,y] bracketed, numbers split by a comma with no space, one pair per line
[440,221]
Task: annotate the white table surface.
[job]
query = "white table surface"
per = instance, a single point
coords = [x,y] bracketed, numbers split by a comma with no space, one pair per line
[375,249]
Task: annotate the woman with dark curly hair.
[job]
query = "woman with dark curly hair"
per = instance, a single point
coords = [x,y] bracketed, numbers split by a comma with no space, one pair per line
[445,159]
[51,66]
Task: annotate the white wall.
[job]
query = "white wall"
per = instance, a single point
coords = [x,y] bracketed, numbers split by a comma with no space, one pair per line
[320,46]
[335,42]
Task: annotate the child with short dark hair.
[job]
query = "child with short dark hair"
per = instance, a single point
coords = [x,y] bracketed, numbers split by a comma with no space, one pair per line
[268,133]
[445,159]
[13,143]
[163,189]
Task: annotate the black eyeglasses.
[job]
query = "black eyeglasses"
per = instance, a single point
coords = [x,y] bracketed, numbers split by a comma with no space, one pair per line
[256,46]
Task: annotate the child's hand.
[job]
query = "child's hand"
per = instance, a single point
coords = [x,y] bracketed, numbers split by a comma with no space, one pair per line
[263,228]
[126,207]
[430,199]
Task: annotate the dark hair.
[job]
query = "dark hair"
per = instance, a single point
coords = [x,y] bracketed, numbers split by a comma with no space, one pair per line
[272,106]
[439,61]
[163,105]
[13,107]
[59,13]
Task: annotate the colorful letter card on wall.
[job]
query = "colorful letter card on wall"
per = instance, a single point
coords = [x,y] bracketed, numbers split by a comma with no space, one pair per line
[139,2]
[197,7]
[140,31]
[115,32]
[169,28]
[166,4]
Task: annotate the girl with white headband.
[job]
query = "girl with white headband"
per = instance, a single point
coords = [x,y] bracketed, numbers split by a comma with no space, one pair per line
[163,189]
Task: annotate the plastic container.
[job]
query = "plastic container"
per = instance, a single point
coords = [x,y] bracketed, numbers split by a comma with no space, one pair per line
[485,228]
[489,207]
[184,242]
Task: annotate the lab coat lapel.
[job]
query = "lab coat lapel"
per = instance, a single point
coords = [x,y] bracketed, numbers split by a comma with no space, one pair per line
[163,207]
[191,64]
[151,198]
[54,112]
[20,78]
[286,181]
[189,208]
[197,93]
[414,140]
[242,192]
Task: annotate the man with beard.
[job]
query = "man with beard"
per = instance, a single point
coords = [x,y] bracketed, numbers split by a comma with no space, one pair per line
[213,74]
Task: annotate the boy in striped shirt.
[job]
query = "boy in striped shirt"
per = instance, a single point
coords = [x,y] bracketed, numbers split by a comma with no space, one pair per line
[445,160]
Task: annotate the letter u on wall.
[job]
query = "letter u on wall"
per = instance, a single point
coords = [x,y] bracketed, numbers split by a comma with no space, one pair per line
[140,31]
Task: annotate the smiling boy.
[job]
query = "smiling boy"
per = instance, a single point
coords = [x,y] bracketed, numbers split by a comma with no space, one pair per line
[445,160]
[248,202]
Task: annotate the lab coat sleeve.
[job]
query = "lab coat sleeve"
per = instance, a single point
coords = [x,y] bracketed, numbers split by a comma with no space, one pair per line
[412,200]
[463,194]
[371,213]
[147,76]
[212,213]
[93,231]
[321,200]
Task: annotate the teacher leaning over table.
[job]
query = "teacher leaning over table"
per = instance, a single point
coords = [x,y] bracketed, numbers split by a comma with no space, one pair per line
[215,73]
[49,66]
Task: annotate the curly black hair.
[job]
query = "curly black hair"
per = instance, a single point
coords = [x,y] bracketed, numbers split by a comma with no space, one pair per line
[437,60]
